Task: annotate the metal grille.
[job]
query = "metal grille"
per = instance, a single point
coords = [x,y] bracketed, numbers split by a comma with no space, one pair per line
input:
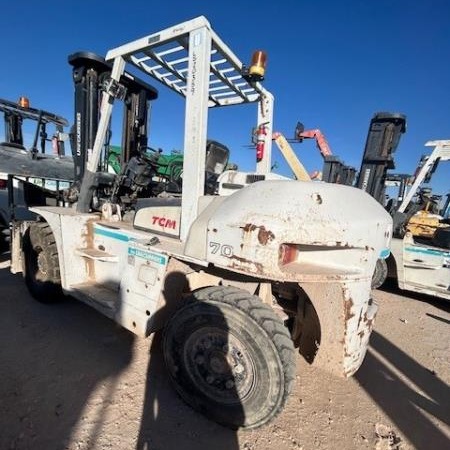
[168,63]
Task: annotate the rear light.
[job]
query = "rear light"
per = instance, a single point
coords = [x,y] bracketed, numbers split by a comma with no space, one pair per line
[258,65]
[3,184]
[24,102]
[287,253]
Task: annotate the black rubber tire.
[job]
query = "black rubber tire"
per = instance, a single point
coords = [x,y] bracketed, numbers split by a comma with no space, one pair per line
[4,240]
[4,234]
[39,233]
[41,264]
[380,273]
[441,237]
[220,327]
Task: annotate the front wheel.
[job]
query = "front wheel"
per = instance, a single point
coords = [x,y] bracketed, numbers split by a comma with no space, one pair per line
[230,357]
[42,274]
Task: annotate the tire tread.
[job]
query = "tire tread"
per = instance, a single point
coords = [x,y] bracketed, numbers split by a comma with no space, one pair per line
[265,317]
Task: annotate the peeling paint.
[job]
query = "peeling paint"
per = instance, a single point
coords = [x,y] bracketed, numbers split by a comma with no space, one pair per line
[265,236]
[89,243]
[368,321]
[257,266]
[249,227]
[348,314]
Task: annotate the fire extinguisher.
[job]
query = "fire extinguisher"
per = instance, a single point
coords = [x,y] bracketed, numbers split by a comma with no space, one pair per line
[261,133]
[55,145]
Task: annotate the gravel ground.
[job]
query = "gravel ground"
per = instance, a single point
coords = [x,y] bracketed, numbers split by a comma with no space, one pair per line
[71,379]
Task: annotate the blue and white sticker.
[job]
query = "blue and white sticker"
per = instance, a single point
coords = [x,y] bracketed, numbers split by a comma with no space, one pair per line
[149,256]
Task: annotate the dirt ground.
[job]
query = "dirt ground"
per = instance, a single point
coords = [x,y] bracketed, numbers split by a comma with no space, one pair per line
[71,379]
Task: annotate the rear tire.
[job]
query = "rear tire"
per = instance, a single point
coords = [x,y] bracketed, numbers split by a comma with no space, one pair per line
[230,357]
[42,274]
[380,274]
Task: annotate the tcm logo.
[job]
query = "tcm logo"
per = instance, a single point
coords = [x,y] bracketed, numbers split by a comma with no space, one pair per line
[164,222]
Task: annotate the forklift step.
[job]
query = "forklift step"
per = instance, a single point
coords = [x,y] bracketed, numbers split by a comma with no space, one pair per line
[95,254]
[101,297]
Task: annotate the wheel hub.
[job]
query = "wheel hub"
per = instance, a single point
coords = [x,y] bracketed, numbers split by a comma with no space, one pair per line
[219,362]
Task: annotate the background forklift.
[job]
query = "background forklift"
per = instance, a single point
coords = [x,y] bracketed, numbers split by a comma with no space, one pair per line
[31,173]
[420,256]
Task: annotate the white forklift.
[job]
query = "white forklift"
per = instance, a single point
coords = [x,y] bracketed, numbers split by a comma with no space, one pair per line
[422,263]
[237,280]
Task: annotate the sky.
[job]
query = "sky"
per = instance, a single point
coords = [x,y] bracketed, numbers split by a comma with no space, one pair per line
[331,65]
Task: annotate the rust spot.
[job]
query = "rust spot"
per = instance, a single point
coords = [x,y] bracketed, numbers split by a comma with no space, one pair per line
[89,235]
[242,245]
[238,258]
[249,227]
[348,310]
[317,198]
[214,230]
[258,266]
[368,321]
[361,334]
[265,236]
[89,243]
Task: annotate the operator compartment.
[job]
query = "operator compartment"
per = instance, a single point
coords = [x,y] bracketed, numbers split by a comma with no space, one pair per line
[162,214]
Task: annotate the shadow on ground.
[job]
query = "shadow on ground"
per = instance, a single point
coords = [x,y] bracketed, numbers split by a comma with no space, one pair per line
[57,358]
[52,358]
[408,404]
[167,423]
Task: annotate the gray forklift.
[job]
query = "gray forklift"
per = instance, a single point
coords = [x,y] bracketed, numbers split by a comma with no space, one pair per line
[31,173]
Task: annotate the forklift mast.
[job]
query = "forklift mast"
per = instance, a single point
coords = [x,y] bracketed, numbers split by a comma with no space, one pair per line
[135,117]
[335,171]
[382,140]
[90,72]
